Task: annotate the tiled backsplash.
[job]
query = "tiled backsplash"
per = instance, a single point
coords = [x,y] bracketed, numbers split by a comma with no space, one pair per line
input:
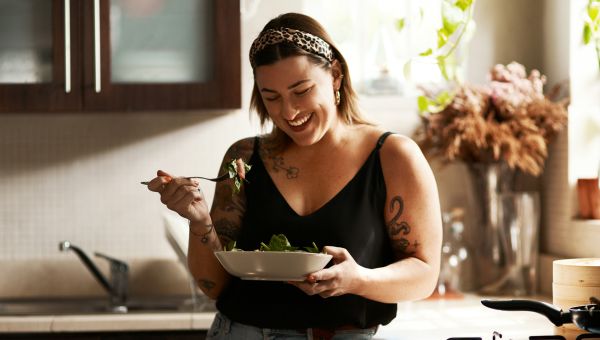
[69,277]
[77,177]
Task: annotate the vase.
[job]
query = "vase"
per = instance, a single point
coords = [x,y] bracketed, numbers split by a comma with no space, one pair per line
[489,181]
[518,222]
[507,232]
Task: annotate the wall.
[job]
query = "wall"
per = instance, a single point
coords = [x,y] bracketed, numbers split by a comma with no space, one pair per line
[506,31]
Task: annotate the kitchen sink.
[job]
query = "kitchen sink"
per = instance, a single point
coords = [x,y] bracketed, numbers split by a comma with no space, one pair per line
[75,306]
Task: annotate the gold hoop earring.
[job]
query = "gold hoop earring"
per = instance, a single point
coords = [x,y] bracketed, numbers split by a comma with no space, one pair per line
[338,97]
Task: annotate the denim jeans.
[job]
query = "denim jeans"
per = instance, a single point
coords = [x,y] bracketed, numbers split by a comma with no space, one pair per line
[224,329]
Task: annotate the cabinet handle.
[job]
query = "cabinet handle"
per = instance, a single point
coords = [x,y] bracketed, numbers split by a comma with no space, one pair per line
[67,46]
[97,86]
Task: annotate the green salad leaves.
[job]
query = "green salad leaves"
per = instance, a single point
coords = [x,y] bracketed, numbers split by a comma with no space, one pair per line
[277,243]
[237,170]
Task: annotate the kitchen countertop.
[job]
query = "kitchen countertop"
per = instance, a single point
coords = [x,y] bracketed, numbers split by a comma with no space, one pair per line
[429,319]
[106,322]
[465,316]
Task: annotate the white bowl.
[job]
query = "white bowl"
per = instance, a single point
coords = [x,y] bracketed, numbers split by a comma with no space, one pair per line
[272,265]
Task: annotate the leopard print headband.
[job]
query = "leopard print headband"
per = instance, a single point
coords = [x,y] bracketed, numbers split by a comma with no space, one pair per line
[306,41]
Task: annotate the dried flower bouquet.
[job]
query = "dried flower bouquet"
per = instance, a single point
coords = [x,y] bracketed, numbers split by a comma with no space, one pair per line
[509,119]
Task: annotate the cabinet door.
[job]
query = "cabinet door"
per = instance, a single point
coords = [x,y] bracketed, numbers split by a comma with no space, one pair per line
[161,54]
[39,55]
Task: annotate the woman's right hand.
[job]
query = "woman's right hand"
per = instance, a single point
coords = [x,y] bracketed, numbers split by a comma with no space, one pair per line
[181,195]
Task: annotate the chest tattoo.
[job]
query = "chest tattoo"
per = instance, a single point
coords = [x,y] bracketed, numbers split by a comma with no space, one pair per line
[278,164]
[291,172]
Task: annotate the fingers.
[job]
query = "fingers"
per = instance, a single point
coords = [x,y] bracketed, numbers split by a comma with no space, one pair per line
[322,275]
[172,187]
[339,254]
[333,281]
[325,289]
[181,195]
[182,198]
[158,183]
[165,183]
[180,190]
[175,191]
[163,173]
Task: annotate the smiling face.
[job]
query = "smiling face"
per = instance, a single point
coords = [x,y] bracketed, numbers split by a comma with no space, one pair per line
[299,97]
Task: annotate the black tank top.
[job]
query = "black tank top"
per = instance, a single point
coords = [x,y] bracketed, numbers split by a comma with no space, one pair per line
[352,219]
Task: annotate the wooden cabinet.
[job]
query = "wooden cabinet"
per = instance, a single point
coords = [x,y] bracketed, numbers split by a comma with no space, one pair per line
[119,55]
[34,75]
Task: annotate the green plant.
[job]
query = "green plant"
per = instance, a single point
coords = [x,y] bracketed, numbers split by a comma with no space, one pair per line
[591,26]
[457,17]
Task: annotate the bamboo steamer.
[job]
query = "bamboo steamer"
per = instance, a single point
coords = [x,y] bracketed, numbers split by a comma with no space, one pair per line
[565,296]
[574,293]
[574,281]
[584,272]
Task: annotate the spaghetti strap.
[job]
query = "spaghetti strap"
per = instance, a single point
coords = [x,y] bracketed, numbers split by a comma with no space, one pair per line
[256,140]
[382,139]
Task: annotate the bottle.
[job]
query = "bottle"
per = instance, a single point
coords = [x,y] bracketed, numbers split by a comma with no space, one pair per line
[456,257]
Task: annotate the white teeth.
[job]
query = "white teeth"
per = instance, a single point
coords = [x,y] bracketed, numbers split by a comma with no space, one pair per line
[300,121]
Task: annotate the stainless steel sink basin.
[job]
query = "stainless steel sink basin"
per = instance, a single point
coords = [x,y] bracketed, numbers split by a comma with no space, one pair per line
[75,306]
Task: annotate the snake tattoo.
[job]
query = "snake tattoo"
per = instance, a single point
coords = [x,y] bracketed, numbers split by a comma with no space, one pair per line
[397,227]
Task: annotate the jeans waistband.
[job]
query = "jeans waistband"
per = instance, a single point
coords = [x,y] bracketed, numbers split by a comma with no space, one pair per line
[328,333]
[224,328]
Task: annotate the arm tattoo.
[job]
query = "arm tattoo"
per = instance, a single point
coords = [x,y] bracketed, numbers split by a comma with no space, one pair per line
[397,227]
[227,209]
[233,152]
[206,284]
[227,230]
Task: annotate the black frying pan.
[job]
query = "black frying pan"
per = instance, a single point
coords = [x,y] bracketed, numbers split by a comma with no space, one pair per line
[586,317]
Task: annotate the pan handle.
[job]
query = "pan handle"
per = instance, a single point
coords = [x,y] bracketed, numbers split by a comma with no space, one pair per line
[554,314]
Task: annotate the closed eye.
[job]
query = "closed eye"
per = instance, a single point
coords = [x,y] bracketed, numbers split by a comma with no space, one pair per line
[270,99]
[300,93]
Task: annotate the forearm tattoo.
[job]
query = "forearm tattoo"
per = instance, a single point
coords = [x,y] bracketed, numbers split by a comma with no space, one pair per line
[204,237]
[228,209]
[228,223]
[227,230]
[399,230]
[206,284]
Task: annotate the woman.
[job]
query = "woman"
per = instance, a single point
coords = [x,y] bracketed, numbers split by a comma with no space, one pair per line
[323,175]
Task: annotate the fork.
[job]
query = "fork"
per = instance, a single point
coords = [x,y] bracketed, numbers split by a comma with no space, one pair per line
[216,179]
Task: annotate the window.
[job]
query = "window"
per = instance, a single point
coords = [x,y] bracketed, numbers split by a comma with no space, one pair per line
[379,37]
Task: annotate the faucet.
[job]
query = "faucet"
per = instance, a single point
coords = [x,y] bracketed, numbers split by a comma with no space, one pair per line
[119,271]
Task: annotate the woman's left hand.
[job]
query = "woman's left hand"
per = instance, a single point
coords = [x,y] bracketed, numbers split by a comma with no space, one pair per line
[344,277]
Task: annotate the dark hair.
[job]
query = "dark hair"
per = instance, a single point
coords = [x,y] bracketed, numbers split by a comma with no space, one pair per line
[348,107]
